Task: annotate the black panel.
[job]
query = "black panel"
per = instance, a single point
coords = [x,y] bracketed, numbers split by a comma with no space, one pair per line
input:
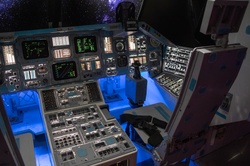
[177,20]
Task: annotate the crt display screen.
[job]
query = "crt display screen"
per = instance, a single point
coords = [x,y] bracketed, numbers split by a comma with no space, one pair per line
[85,44]
[64,70]
[35,49]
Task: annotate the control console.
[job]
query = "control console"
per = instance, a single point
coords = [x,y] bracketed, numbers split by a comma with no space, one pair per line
[38,59]
[80,129]
[175,63]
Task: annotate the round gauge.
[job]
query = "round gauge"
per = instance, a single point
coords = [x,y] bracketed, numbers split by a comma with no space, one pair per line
[119,46]
[122,61]
[153,55]
[154,42]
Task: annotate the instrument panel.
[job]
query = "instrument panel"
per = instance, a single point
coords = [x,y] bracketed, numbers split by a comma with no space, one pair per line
[64,65]
[175,64]
[80,129]
[42,59]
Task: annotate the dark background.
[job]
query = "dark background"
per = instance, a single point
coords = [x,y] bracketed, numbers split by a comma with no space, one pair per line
[178,20]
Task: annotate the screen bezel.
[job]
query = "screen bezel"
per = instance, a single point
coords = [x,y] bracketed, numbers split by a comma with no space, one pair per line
[54,71]
[93,39]
[45,47]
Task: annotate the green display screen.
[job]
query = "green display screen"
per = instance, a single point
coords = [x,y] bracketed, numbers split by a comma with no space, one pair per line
[85,44]
[64,70]
[35,49]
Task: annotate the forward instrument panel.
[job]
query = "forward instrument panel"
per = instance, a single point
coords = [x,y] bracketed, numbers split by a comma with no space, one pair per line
[38,59]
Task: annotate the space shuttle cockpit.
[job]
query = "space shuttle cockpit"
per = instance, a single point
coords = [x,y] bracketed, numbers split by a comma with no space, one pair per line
[98,85]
